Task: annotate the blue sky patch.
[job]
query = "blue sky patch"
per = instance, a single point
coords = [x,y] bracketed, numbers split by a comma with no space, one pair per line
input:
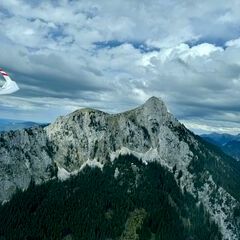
[144,48]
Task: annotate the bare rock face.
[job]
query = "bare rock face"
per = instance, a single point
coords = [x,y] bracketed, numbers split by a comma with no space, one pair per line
[24,156]
[89,136]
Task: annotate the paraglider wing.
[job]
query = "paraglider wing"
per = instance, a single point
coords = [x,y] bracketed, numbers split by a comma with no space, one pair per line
[9,86]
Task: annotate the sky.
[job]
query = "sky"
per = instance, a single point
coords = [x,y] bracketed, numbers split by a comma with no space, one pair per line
[114,55]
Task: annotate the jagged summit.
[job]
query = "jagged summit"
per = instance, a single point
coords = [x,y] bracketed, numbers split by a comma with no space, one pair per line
[155,104]
[152,104]
[87,110]
[153,109]
[154,101]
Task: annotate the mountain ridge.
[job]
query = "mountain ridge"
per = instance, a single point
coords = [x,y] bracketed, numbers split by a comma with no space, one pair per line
[134,201]
[11,124]
[93,137]
[230,144]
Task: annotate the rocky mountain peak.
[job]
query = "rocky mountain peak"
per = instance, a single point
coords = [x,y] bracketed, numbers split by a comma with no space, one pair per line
[154,105]
[155,102]
[92,137]
[87,111]
[154,109]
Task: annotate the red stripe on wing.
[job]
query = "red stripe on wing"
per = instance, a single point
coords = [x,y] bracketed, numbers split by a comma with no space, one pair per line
[4,74]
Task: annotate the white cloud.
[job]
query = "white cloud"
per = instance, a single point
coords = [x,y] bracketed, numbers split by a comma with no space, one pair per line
[49,48]
[233,43]
[201,128]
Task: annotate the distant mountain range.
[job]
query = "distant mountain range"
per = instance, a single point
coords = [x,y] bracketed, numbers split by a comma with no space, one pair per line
[230,144]
[11,124]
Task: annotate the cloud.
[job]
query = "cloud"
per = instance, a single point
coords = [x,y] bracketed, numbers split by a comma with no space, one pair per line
[113,55]
[233,43]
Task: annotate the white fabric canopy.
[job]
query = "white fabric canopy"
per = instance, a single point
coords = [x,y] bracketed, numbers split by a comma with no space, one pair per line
[9,86]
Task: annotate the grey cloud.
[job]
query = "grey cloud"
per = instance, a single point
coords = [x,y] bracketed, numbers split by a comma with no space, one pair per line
[49,48]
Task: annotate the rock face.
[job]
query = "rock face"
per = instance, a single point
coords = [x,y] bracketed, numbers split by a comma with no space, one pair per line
[150,132]
[24,156]
[89,134]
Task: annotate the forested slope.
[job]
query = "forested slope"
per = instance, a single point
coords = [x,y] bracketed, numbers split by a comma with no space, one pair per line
[125,200]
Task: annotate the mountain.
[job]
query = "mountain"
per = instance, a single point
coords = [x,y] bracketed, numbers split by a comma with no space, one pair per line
[218,138]
[10,124]
[125,199]
[232,148]
[95,139]
[230,144]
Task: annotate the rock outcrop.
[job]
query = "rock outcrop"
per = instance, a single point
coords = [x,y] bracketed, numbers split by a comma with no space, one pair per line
[24,157]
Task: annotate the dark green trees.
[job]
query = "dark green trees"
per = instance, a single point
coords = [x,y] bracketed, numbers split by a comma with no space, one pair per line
[139,202]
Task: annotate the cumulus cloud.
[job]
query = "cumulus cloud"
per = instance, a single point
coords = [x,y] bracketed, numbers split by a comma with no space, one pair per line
[113,55]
